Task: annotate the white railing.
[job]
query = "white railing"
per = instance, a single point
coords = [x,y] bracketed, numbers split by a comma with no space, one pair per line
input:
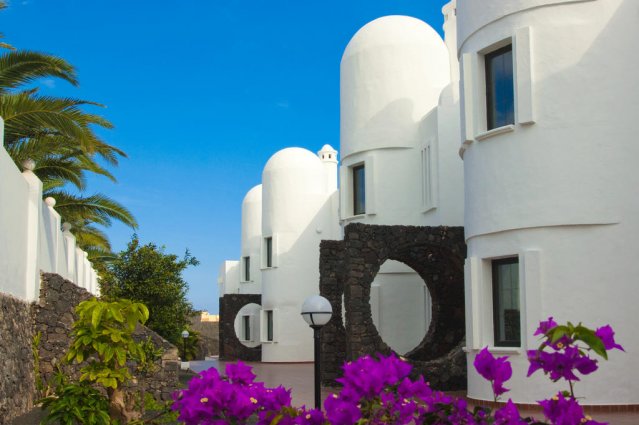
[32,237]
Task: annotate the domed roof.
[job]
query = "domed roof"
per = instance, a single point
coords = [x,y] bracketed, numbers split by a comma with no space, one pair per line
[293,158]
[393,30]
[253,195]
[327,148]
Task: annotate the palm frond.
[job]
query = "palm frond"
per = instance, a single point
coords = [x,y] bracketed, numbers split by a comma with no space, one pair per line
[96,208]
[18,68]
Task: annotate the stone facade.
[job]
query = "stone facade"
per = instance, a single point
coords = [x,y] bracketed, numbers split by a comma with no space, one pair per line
[17,383]
[54,319]
[230,346]
[348,268]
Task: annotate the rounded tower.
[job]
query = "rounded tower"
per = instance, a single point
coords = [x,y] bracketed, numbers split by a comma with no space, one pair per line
[297,214]
[250,276]
[549,125]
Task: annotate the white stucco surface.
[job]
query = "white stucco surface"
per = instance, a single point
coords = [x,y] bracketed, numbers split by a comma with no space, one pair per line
[560,192]
[31,237]
[251,310]
[391,75]
[298,212]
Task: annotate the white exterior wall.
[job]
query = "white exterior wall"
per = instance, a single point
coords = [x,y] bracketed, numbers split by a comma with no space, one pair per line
[400,306]
[31,238]
[558,189]
[400,118]
[252,241]
[251,310]
[298,212]
[228,278]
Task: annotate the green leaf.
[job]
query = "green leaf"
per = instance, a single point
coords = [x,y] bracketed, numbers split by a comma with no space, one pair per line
[591,340]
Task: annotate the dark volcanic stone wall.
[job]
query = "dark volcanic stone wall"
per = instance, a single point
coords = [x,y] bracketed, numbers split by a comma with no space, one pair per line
[231,348]
[17,384]
[54,319]
[437,254]
[333,334]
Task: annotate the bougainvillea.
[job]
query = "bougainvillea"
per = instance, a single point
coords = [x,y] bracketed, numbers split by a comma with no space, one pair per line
[377,389]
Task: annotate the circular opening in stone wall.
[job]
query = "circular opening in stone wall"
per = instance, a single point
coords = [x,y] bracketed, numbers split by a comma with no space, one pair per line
[247,325]
[400,306]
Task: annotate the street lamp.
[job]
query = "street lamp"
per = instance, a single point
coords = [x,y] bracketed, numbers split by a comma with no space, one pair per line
[317,311]
[185,335]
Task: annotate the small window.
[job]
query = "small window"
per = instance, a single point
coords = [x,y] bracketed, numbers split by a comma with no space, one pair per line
[500,92]
[247,268]
[269,325]
[268,248]
[246,326]
[506,310]
[359,190]
[428,198]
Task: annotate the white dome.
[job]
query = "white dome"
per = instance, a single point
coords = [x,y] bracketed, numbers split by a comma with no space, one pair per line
[391,75]
[253,195]
[292,158]
[393,30]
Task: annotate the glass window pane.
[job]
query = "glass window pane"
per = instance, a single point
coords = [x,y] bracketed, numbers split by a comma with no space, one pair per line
[269,325]
[359,190]
[247,328]
[247,269]
[500,92]
[506,310]
[269,252]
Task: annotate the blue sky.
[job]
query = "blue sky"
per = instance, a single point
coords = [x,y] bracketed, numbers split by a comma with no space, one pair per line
[201,93]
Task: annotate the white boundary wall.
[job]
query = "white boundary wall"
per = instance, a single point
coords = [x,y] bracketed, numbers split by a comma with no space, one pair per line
[31,236]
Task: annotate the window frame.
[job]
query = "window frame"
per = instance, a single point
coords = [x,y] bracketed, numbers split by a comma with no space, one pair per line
[246,327]
[489,83]
[246,268]
[355,179]
[497,337]
[268,251]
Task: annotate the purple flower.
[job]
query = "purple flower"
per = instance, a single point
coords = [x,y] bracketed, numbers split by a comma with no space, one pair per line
[240,373]
[607,336]
[562,364]
[495,370]
[508,415]
[562,410]
[340,412]
[545,326]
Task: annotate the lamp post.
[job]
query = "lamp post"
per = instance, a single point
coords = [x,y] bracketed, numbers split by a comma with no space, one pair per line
[317,311]
[185,335]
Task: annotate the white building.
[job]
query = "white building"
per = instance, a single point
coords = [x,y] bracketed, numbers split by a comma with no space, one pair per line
[283,221]
[539,99]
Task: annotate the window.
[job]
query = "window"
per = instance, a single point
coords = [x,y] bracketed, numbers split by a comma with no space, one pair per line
[506,302]
[359,190]
[428,176]
[246,326]
[268,248]
[269,325]
[500,92]
[247,268]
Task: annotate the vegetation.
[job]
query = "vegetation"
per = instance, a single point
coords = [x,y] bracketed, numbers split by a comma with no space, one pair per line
[103,336]
[59,136]
[146,274]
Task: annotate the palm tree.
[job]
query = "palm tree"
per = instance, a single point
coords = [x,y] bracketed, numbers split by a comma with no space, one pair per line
[58,135]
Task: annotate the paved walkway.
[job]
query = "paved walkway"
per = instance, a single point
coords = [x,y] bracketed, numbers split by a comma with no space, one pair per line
[299,377]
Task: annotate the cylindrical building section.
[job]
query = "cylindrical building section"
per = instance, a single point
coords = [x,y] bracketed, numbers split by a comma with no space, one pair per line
[399,143]
[394,75]
[250,278]
[297,214]
[391,75]
[550,97]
